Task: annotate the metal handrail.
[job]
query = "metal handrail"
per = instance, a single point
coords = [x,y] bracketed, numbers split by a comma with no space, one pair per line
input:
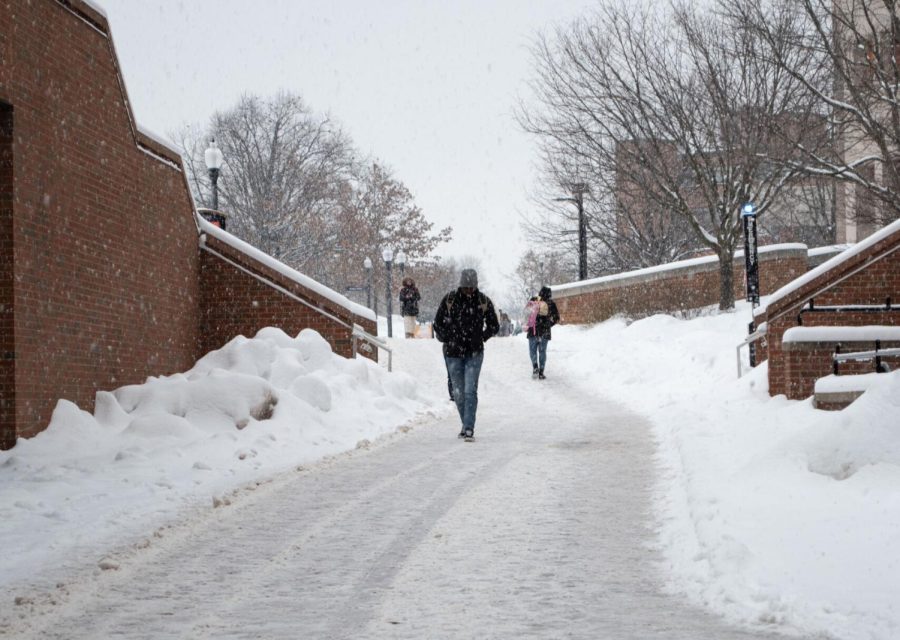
[862,356]
[844,308]
[756,335]
[359,333]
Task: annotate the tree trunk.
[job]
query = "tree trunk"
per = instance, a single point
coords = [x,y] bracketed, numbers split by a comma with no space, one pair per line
[726,280]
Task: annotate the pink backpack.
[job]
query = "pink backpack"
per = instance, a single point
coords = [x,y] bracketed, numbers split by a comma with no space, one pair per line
[531,313]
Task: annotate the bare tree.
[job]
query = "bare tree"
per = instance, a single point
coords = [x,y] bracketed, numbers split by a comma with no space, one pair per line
[378,211]
[857,46]
[535,269]
[676,120]
[284,172]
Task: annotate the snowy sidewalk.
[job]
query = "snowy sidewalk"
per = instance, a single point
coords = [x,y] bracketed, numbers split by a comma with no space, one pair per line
[539,529]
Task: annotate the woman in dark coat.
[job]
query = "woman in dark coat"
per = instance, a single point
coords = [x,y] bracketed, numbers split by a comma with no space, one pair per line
[542,314]
[409,306]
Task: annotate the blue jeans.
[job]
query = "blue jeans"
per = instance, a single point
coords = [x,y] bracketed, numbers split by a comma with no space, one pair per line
[537,348]
[464,374]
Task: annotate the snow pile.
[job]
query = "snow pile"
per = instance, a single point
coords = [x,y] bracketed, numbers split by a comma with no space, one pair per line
[248,411]
[770,510]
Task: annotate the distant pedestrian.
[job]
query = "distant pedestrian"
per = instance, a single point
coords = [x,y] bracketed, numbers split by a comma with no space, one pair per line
[541,314]
[465,320]
[505,325]
[409,306]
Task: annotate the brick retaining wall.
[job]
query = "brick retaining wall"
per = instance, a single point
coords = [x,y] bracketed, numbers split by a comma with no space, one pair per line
[679,286]
[105,288]
[868,276]
[234,302]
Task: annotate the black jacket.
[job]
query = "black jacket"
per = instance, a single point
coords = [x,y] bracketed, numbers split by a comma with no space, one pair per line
[409,301]
[543,324]
[464,323]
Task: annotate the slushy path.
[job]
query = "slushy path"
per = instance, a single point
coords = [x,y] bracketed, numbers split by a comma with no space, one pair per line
[539,529]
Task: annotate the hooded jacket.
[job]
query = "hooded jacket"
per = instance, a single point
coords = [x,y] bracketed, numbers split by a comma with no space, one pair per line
[464,323]
[409,300]
[544,323]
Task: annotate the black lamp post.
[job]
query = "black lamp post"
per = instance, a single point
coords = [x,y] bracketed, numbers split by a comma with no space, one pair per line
[577,198]
[213,158]
[388,255]
[367,263]
[751,267]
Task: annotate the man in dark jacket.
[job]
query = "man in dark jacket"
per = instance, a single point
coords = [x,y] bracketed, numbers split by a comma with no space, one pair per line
[539,333]
[465,320]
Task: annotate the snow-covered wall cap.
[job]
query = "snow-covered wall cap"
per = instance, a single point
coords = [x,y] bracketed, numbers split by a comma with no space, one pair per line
[850,383]
[869,333]
[828,265]
[652,272]
[305,281]
[96,7]
[834,248]
[157,138]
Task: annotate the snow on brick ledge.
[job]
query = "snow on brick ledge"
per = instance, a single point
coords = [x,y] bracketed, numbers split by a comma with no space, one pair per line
[869,333]
[283,269]
[847,384]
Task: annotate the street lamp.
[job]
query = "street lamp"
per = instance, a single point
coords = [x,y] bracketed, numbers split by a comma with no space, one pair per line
[388,255]
[401,262]
[367,263]
[578,190]
[213,157]
[751,267]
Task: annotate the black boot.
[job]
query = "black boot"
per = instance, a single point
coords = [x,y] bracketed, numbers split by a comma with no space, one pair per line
[541,375]
[534,372]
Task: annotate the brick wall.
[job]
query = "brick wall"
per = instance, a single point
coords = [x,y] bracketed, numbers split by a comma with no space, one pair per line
[234,302]
[106,266]
[805,362]
[691,284]
[7,343]
[98,215]
[868,278]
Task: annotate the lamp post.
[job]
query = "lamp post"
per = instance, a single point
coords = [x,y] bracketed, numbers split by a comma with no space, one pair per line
[367,263]
[578,190]
[751,264]
[213,158]
[388,255]
[751,267]
[401,262]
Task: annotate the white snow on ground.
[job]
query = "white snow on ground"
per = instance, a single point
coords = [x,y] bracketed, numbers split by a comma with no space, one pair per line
[768,509]
[244,413]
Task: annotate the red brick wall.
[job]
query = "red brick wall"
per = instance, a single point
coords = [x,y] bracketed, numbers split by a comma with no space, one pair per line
[805,362]
[234,302]
[7,338]
[106,266]
[795,375]
[676,289]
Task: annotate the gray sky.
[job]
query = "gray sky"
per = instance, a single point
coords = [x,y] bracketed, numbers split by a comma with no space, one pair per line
[427,86]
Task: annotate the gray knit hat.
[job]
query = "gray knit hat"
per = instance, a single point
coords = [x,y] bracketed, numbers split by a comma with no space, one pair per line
[468,278]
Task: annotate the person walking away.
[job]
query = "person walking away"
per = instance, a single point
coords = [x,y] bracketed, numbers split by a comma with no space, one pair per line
[541,314]
[465,320]
[409,306]
[505,325]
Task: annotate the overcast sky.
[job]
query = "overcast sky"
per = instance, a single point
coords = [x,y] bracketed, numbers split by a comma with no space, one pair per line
[428,86]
